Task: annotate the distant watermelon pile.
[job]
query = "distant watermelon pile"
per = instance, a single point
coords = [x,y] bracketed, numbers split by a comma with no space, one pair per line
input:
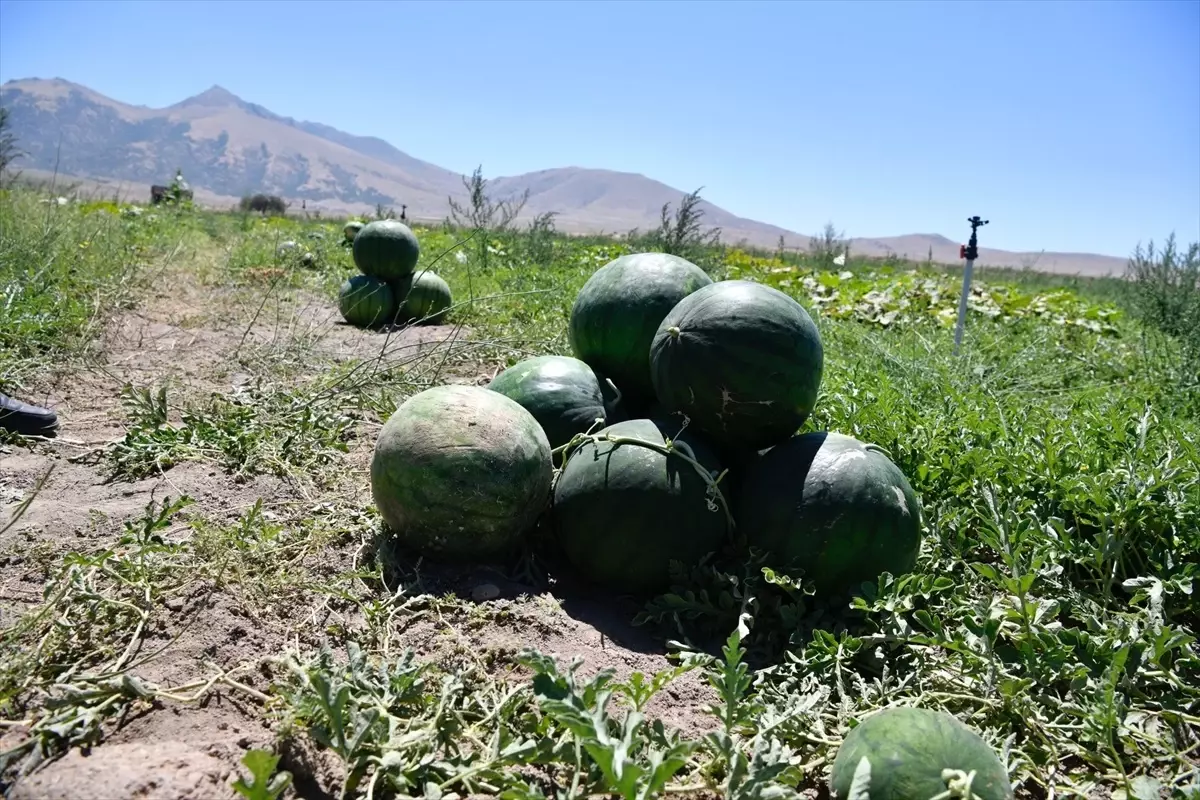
[390,288]
[673,424]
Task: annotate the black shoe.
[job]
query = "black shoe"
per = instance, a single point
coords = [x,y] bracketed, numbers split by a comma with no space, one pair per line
[25,419]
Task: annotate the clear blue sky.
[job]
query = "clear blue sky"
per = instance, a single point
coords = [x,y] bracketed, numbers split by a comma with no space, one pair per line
[1071,125]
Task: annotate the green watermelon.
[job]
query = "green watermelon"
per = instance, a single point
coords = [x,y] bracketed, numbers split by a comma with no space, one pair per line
[461,472]
[832,506]
[423,297]
[618,310]
[739,463]
[623,511]
[351,230]
[365,301]
[907,749]
[562,393]
[386,249]
[742,360]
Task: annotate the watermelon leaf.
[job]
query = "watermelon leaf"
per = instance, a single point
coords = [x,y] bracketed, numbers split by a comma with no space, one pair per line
[265,783]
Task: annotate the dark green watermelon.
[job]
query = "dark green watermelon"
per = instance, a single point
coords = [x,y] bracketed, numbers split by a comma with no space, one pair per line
[422,297]
[739,464]
[742,360]
[461,472]
[562,393]
[907,749]
[618,310]
[386,249]
[365,301]
[834,507]
[623,511]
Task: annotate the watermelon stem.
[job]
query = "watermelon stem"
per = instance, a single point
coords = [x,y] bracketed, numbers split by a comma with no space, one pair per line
[958,785]
[673,447]
[617,399]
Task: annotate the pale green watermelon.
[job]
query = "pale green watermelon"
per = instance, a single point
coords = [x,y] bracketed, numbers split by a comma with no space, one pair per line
[461,472]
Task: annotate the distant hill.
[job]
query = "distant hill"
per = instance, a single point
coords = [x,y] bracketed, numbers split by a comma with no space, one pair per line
[228,147]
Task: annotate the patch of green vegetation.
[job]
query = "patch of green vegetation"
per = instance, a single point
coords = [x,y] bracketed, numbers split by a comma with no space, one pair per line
[404,726]
[61,272]
[886,296]
[1054,607]
[287,434]
[67,265]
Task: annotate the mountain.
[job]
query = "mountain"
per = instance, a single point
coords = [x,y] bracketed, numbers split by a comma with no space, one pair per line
[228,148]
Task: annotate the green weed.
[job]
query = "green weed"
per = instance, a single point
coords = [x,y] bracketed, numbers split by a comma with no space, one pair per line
[288,434]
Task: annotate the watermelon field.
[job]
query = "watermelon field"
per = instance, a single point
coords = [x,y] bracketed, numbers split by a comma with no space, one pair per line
[388,511]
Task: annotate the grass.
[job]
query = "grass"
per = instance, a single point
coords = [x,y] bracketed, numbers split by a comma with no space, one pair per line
[1054,607]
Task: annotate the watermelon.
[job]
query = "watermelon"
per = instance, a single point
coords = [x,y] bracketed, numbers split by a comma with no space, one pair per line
[562,393]
[742,360]
[351,230]
[386,249]
[739,464]
[461,472]
[835,507]
[623,511]
[907,749]
[365,301]
[618,310]
[422,297]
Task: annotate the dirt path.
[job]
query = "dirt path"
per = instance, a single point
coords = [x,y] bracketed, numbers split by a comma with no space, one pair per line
[211,615]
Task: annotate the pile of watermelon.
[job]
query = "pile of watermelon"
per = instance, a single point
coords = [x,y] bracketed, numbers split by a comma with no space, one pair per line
[668,434]
[390,288]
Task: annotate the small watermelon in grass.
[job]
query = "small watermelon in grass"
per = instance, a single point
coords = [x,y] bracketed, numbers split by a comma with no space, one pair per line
[563,394]
[386,249]
[365,301]
[622,511]
[618,310]
[835,507]
[350,231]
[461,472]
[742,360]
[423,297]
[906,750]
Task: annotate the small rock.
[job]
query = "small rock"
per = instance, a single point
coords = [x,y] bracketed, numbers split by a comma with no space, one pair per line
[175,603]
[485,591]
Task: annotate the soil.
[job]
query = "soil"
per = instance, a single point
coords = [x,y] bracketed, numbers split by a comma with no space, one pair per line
[147,770]
[169,749]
